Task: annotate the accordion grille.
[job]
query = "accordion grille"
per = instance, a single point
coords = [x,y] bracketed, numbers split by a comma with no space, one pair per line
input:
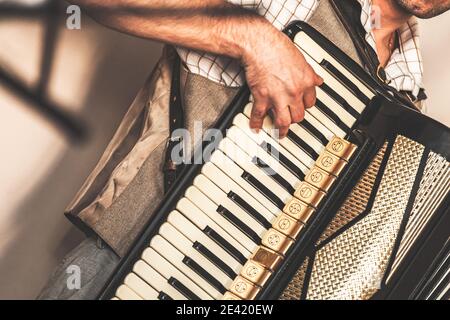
[294,289]
[356,202]
[433,188]
[345,253]
[354,205]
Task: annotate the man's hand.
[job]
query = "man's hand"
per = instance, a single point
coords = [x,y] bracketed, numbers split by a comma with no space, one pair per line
[276,71]
[280,79]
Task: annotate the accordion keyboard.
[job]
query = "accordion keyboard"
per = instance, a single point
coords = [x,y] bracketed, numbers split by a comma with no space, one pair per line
[252,199]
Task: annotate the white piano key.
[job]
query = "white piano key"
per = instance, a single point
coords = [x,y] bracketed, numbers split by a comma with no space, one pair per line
[243,123]
[125,293]
[345,117]
[295,150]
[168,270]
[185,245]
[326,121]
[351,99]
[298,130]
[245,162]
[203,221]
[318,54]
[156,280]
[139,286]
[173,255]
[252,149]
[209,207]
[194,234]
[231,169]
[229,185]
[306,136]
[220,198]
[319,126]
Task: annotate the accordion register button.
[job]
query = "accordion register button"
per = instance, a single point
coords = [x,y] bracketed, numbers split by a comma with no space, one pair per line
[330,163]
[298,210]
[288,226]
[341,148]
[320,179]
[276,241]
[309,194]
[255,273]
[267,258]
[244,289]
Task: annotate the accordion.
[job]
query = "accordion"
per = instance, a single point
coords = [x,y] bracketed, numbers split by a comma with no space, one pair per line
[352,204]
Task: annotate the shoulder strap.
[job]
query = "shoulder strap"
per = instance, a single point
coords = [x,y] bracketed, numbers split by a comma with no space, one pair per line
[349,13]
[176,121]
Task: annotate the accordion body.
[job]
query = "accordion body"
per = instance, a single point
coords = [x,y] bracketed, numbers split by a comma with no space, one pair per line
[357,207]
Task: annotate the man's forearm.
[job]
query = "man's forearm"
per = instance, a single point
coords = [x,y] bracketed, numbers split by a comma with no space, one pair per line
[277,74]
[214,26]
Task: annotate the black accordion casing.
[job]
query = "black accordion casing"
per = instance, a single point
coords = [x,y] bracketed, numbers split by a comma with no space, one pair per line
[382,231]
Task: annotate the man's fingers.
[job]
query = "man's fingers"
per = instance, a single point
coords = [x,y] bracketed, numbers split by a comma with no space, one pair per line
[259,111]
[282,119]
[309,97]
[318,80]
[297,110]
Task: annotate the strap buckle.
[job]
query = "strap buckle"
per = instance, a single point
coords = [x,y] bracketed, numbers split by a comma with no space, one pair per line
[381,74]
[170,165]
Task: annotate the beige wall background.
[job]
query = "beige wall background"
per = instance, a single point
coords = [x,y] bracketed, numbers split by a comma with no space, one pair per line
[97,72]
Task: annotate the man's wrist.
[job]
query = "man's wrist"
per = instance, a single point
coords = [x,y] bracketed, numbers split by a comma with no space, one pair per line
[262,34]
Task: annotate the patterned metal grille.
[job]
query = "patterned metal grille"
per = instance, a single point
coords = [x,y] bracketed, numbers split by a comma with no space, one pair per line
[352,264]
[294,289]
[357,200]
[433,188]
[353,206]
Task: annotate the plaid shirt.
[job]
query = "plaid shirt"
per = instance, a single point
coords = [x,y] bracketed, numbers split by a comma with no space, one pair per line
[404,67]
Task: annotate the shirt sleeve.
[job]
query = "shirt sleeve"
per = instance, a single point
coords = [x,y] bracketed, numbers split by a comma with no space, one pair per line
[280,12]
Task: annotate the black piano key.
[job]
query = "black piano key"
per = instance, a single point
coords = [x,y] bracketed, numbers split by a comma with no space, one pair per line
[330,114]
[239,224]
[283,159]
[214,259]
[275,176]
[263,189]
[204,274]
[217,238]
[339,100]
[345,81]
[182,288]
[313,130]
[302,144]
[164,296]
[249,209]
